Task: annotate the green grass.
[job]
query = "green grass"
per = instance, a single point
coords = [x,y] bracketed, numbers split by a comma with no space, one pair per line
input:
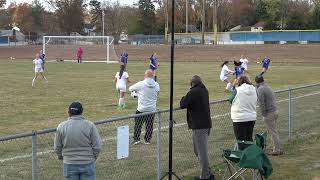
[23,108]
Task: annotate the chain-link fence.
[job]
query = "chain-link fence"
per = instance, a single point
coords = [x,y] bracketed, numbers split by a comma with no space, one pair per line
[30,155]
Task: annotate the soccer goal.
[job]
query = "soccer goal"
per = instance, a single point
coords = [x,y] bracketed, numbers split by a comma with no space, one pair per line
[95,48]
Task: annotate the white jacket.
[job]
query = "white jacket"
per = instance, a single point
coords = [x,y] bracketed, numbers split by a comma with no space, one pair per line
[147,91]
[244,104]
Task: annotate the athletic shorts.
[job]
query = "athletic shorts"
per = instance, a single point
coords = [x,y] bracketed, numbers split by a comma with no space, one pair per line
[121,88]
[37,70]
[222,78]
[153,68]
[265,66]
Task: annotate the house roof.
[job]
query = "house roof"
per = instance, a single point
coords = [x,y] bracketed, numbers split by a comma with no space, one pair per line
[259,24]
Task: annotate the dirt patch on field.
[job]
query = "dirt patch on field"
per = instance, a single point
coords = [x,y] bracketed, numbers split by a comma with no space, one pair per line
[278,53]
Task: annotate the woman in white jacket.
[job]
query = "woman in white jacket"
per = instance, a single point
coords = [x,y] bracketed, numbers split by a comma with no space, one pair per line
[243,110]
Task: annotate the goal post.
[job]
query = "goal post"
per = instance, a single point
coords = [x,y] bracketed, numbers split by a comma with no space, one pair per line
[95,48]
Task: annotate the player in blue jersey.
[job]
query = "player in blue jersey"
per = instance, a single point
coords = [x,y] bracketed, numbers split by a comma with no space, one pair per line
[238,71]
[154,65]
[42,57]
[265,65]
[124,57]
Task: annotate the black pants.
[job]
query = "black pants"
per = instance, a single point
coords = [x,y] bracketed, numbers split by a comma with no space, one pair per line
[138,122]
[243,131]
[79,60]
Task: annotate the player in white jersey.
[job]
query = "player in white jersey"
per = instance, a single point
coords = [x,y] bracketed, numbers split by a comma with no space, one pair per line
[244,64]
[38,69]
[121,79]
[225,71]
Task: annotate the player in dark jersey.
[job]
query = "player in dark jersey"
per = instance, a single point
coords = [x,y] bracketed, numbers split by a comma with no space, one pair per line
[154,65]
[265,65]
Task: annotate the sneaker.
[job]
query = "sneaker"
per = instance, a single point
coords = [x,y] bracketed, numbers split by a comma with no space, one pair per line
[147,142]
[136,142]
[276,153]
[210,178]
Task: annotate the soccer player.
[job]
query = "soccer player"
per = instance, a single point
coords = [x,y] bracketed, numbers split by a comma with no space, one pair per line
[124,57]
[79,54]
[42,57]
[154,65]
[238,71]
[38,69]
[121,79]
[265,65]
[225,71]
[244,64]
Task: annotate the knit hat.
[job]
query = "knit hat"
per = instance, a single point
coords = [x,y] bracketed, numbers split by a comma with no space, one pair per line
[75,108]
[259,79]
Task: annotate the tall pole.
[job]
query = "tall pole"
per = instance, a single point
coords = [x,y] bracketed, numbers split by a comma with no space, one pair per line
[103,25]
[215,21]
[187,16]
[171,89]
[203,21]
[167,23]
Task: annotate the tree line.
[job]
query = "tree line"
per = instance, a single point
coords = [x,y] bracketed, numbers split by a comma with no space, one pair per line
[62,17]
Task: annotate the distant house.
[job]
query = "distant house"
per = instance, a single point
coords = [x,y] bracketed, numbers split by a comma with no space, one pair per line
[89,29]
[8,33]
[259,26]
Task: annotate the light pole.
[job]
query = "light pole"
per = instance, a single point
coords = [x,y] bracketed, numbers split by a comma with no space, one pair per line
[103,6]
[186,16]
[203,21]
[214,23]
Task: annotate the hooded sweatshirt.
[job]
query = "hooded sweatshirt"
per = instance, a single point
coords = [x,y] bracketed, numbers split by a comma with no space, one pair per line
[244,104]
[147,91]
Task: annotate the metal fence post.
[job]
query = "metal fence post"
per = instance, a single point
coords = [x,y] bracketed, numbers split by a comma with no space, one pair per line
[34,156]
[289,115]
[159,145]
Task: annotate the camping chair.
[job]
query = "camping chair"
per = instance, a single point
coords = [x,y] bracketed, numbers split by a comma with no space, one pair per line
[252,158]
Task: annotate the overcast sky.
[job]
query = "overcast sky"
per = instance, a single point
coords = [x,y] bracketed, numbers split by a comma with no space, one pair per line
[43,2]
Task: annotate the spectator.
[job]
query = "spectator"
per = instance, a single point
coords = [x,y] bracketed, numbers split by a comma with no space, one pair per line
[199,120]
[267,104]
[77,143]
[147,92]
[79,54]
[243,110]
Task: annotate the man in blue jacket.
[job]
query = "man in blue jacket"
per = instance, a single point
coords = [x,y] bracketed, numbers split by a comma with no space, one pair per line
[199,120]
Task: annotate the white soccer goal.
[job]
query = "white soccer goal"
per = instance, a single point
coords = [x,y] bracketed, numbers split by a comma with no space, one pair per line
[95,48]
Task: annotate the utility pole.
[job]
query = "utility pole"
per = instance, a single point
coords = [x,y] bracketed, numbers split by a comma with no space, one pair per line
[203,21]
[167,23]
[187,16]
[214,22]
[103,6]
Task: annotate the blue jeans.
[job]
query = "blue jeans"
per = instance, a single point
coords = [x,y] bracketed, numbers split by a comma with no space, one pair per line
[79,171]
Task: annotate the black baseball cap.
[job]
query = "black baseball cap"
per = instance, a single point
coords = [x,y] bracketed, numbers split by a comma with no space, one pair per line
[259,79]
[75,108]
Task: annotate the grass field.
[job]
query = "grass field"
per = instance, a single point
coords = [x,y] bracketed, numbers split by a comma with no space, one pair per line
[24,108]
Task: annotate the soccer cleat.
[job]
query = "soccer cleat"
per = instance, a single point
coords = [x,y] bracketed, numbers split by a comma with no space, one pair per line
[147,142]
[136,142]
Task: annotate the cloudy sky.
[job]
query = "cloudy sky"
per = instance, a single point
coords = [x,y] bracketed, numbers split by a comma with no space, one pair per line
[43,2]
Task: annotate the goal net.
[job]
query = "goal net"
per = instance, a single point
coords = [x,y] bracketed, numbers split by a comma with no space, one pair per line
[95,48]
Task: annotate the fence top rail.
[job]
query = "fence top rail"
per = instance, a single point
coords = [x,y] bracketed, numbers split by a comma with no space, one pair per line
[114,119]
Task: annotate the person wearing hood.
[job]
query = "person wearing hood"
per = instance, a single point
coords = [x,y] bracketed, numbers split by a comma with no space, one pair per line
[147,92]
[267,104]
[199,120]
[243,110]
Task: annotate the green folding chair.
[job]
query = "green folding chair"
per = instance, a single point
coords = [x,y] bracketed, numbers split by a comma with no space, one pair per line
[252,158]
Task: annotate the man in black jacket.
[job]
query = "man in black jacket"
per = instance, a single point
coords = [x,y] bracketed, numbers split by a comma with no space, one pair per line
[199,120]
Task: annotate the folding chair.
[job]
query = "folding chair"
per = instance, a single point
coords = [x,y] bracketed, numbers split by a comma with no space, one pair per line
[252,158]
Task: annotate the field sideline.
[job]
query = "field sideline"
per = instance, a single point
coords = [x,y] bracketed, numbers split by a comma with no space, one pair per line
[24,108]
